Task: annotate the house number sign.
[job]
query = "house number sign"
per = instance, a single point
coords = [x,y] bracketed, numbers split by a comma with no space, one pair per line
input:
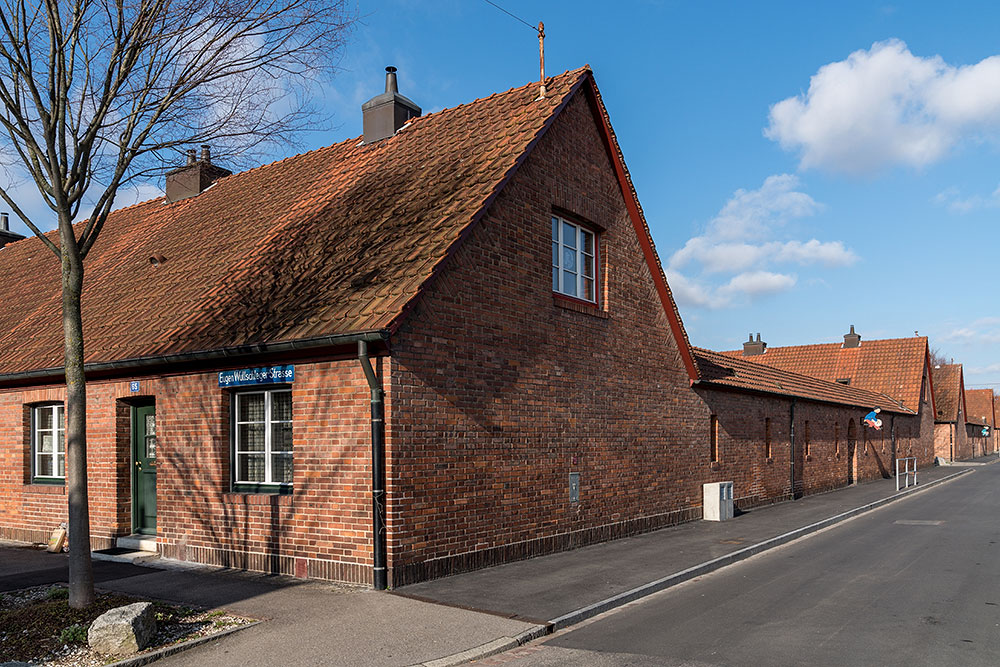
[251,376]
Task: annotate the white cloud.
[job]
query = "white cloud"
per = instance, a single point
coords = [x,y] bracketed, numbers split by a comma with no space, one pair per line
[985,330]
[952,198]
[740,242]
[982,370]
[758,282]
[885,106]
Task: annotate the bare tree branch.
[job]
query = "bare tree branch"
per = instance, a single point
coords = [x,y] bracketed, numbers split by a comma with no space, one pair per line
[96,93]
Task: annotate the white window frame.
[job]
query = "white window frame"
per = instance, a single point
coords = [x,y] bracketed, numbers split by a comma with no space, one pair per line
[58,432]
[583,260]
[268,435]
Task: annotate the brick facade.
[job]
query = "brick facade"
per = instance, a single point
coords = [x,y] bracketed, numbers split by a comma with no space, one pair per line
[322,529]
[497,391]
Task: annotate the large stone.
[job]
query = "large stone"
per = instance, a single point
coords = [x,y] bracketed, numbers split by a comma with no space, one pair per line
[123,631]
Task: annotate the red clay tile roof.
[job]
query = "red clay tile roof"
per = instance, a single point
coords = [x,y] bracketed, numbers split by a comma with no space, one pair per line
[338,240]
[721,368]
[979,406]
[891,366]
[948,390]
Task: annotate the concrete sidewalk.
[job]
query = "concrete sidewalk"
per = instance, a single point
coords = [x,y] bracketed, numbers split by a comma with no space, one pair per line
[308,622]
[554,589]
[441,622]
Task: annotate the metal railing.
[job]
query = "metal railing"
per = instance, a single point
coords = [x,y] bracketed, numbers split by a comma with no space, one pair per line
[907,471]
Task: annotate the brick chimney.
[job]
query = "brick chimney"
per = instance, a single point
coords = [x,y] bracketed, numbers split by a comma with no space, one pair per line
[194,177]
[384,114]
[754,347]
[852,339]
[7,236]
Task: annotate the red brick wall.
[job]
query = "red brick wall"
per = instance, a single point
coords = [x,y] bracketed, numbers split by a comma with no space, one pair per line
[500,392]
[324,527]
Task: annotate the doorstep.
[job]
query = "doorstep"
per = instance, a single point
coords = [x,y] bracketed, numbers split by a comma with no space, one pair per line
[124,555]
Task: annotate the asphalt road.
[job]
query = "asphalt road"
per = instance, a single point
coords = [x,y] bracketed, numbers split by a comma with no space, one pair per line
[914,583]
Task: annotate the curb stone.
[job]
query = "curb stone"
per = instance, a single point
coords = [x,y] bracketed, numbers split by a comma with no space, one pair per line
[499,645]
[572,618]
[153,656]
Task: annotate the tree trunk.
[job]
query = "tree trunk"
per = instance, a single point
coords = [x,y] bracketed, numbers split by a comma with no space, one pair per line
[81,575]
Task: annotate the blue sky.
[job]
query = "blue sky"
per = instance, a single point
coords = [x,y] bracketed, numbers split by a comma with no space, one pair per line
[802,168]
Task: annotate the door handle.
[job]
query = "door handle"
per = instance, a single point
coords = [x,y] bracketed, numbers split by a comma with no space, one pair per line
[139,463]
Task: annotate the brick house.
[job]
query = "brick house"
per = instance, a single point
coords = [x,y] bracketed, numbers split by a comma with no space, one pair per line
[779,434]
[445,344]
[951,437]
[980,420]
[483,276]
[897,368]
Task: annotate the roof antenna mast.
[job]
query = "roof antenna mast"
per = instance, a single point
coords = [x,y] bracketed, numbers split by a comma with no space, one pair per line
[541,60]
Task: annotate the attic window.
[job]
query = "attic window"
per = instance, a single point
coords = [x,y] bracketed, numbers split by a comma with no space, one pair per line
[157,259]
[574,268]
[843,380]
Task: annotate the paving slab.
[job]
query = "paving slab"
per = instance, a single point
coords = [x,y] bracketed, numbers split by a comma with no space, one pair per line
[546,588]
[307,622]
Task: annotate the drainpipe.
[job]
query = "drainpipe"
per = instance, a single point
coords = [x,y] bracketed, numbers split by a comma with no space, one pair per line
[892,437]
[791,447]
[380,579]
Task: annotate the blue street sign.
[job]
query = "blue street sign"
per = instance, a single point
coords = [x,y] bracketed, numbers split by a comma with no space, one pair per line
[251,376]
[133,385]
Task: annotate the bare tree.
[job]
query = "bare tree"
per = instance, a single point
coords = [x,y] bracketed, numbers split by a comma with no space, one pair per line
[98,93]
[937,357]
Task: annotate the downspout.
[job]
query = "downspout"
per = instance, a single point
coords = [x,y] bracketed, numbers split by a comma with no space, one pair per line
[791,448]
[379,573]
[892,438]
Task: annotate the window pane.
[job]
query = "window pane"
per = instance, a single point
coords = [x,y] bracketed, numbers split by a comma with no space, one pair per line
[569,283]
[555,254]
[251,438]
[250,468]
[60,440]
[588,266]
[43,465]
[588,289]
[60,465]
[150,424]
[281,469]
[44,416]
[150,446]
[281,437]
[569,259]
[555,229]
[569,235]
[281,406]
[251,408]
[588,242]
[45,442]
[555,279]
[60,416]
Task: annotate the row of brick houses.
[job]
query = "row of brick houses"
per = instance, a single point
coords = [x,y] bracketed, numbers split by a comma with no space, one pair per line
[483,279]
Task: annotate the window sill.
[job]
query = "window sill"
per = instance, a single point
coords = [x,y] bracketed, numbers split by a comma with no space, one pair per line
[578,305]
[259,496]
[41,486]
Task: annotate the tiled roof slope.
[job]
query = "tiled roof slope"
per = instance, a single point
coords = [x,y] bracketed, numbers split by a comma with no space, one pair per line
[719,368]
[948,388]
[979,406]
[337,240]
[891,366]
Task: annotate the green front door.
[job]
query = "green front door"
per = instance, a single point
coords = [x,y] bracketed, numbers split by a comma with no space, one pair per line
[144,469]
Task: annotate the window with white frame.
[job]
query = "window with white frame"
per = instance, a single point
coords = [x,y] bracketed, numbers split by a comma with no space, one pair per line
[263,438]
[573,260]
[48,443]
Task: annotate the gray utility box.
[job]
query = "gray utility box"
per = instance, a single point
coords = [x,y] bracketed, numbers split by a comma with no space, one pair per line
[718,503]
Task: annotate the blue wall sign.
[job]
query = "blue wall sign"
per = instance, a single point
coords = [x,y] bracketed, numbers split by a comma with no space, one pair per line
[251,376]
[133,385]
